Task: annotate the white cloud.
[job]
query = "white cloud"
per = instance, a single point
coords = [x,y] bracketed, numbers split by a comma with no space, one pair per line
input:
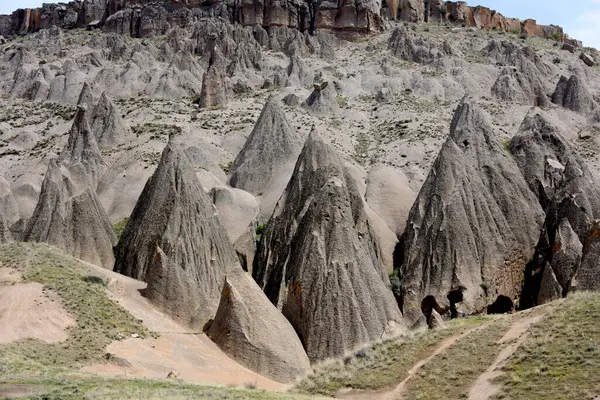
[587,25]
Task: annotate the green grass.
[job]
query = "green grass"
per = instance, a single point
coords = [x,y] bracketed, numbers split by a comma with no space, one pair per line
[119,227]
[382,365]
[92,388]
[450,374]
[561,357]
[98,319]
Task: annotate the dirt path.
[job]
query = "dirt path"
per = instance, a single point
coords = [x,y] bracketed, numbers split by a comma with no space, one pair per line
[484,388]
[399,390]
[192,355]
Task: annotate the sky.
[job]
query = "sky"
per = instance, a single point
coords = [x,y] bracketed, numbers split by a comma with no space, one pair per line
[579,18]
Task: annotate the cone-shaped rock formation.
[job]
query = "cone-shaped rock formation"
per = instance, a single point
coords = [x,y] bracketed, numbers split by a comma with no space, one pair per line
[265,163]
[86,97]
[463,239]
[175,242]
[252,331]
[215,90]
[520,87]
[322,100]
[317,261]
[569,195]
[68,214]
[107,124]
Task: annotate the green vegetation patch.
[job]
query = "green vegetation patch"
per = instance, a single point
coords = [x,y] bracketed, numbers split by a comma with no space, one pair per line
[119,227]
[382,365]
[100,320]
[451,373]
[561,357]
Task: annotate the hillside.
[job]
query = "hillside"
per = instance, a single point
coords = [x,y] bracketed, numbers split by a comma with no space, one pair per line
[295,199]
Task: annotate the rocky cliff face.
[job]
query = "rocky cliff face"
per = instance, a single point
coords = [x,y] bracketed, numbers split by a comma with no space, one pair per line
[143,18]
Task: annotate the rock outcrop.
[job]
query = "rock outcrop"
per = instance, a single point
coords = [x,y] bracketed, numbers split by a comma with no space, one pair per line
[107,124]
[317,262]
[68,214]
[215,85]
[175,242]
[518,87]
[322,100]
[9,211]
[570,197]
[245,326]
[407,46]
[462,238]
[588,274]
[573,94]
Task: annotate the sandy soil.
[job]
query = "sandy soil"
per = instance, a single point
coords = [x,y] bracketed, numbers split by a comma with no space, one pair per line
[27,312]
[16,391]
[191,354]
[9,275]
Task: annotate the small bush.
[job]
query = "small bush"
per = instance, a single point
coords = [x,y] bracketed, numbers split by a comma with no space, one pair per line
[96,280]
[515,31]
[260,229]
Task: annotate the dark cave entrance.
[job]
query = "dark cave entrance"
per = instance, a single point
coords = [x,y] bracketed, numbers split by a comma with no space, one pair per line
[502,305]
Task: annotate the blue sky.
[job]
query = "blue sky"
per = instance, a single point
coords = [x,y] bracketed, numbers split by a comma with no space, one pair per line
[580,18]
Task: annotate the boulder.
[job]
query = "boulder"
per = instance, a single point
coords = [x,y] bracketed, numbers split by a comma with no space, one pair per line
[573,94]
[587,59]
[236,208]
[317,262]
[462,239]
[252,331]
[175,241]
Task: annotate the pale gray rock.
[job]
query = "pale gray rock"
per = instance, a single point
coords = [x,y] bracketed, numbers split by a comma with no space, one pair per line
[587,277]
[317,262]
[175,242]
[520,87]
[265,163]
[550,289]
[573,94]
[236,208]
[215,86]
[407,46]
[86,97]
[107,124]
[462,233]
[322,100]
[251,330]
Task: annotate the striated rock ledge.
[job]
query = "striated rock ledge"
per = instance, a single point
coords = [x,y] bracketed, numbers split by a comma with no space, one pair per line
[349,17]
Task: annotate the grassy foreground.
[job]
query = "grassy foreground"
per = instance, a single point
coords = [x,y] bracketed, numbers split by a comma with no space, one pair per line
[382,365]
[561,357]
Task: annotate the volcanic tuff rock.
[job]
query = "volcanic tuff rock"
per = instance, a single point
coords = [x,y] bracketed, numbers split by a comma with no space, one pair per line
[86,97]
[175,242]
[215,86]
[317,261]
[573,94]
[68,214]
[107,124]
[587,276]
[9,211]
[253,331]
[266,161]
[322,100]
[462,233]
[519,87]
[407,46]
[568,193]
[237,209]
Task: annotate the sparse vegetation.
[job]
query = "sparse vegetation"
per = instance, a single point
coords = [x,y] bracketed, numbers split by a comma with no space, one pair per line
[119,227]
[99,319]
[342,101]
[260,229]
[561,356]
[382,365]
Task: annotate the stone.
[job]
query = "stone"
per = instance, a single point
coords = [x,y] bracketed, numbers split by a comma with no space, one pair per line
[176,243]
[587,59]
[331,287]
[465,243]
[107,124]
[251,330]
[407,46]
[322,100]
[573,94]
[523,88]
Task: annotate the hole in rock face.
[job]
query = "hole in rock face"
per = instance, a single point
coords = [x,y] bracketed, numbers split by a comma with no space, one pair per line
[428,304]
[502,305]
[454,297]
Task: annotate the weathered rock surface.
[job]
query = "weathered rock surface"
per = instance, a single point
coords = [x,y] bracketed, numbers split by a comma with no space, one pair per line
[322,100]
[265,163]
[68,214]
[569,195]
[407,46]
[9,211]
[175,242]
[573,94]
[237,209]
[250,329]
[462,233]
[588,274]
[107,124]
[519,87]
[215,85]
[317,261]
[390,196]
